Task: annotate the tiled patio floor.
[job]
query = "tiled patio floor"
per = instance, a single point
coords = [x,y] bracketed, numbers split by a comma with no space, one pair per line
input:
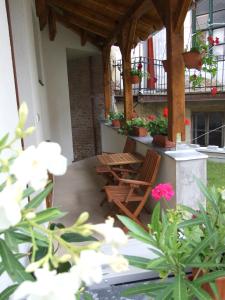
[80,190]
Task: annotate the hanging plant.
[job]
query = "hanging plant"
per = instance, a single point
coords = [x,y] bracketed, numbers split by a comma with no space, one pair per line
[136,74]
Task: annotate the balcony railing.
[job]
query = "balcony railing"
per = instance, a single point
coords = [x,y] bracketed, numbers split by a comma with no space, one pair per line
[157,83]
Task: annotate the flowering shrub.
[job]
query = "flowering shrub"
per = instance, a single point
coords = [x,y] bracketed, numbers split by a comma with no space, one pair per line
[137,71]
[159,125]
[24,185]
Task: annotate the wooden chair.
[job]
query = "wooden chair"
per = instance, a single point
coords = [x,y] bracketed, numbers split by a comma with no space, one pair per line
[138,190]
[129,147]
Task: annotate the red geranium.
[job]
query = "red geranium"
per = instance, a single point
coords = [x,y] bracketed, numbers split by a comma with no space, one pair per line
[211,40]
[139,66]
[151,117]
[216,41]
[165,112]
[187,122]
[214,91]
[155,79]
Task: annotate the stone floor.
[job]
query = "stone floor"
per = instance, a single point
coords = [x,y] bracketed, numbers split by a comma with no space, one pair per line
[80,190]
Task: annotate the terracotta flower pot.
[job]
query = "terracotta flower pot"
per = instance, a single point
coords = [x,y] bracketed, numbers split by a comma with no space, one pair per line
[139,131]
[164,62]
[116,123]
[134,79]
[162,141]
[220,284]
[193,60]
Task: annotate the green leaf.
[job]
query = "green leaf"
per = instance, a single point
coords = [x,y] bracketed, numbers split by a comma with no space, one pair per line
[209,277]
[87,296]
[21,238]
[17,256]
[200,247]
[46,215]
[144,288]
[27,192]
[139,262]
[10,241]
[165,293]
[4,139]
[135,228]
[37,200]
[198,291]
[180,288]
[8,292]
[75,237]
[155,220]
[190,223]
[64,267]
[11,265]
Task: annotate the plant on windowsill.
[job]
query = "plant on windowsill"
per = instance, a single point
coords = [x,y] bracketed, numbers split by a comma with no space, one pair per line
[137,127]
[136,74]
[181,239]
[158,129]
[116,118]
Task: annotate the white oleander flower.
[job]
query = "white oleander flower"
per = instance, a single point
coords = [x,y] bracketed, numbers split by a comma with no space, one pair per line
[112,235]
[89,267]
[32,165]
[118,263]
[48,286]
[10,213]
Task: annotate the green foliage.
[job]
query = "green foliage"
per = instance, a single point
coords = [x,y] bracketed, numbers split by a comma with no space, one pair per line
[215,173]
[196,80]
[138,72]
[116,116]
[158,126]
[183,241]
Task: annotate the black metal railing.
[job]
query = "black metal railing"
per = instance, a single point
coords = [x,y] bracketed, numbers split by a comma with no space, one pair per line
[157,83]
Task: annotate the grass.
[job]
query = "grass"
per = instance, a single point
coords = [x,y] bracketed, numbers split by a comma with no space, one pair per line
[216,173]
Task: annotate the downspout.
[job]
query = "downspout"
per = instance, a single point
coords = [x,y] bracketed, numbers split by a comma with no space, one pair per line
[151,70]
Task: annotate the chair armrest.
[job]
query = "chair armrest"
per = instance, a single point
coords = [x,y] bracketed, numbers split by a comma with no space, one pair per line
[108,152]
[115,175]
[135,182]
[125,170]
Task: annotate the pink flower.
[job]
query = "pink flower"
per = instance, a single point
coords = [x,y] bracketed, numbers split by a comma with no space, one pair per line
[216,41]
[211,40]
[187,122]
[163,190]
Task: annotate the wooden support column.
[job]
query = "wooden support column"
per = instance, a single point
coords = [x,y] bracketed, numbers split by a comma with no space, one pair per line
[175,79]
[107,78]
[126,43]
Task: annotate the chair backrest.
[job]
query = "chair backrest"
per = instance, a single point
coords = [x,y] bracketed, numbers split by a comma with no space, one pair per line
[150,167]
[130,146]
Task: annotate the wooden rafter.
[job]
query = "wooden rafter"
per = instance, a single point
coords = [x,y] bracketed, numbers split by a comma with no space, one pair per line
[133,13]
[42,12]
[79,10]
[181,13]
[98,42]
[160,9]
[51,24]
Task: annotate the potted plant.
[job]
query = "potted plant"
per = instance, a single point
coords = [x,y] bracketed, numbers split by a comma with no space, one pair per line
[158,128]
[200,56]
[136,74]
[137,127]
[180,242]
[116,118]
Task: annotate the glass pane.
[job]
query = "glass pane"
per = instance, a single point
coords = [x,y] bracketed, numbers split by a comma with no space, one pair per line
[202,7]
[215,121]
[199,129]
[218,17]
[218,4]
[202,22]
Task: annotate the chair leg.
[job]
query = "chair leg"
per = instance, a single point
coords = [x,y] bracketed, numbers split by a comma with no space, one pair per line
[128,213]
[104,200]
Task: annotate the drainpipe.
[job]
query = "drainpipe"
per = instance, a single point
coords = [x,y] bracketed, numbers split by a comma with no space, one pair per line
[151,70]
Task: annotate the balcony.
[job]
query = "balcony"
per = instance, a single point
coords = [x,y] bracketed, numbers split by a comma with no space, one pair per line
[155,88]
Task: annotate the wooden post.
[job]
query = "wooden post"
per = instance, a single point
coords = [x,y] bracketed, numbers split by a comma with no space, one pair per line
[126,42]
[107,78]
[175,81]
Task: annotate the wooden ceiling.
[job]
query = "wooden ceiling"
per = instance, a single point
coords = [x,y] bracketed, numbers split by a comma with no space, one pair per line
[100,21]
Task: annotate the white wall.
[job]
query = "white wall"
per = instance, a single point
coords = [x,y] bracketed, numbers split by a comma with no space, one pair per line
[38,58]
[8,105]
[55,63]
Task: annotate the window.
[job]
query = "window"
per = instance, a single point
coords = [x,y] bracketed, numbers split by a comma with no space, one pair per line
[208,128]
[209,16]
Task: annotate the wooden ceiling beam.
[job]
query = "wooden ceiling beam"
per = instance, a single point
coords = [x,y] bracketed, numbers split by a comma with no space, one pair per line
[107,6]
[79,10]
[98,42]
[42,13]
[133,13]
[88,26]
[181,13]
[160,9]
[51,24]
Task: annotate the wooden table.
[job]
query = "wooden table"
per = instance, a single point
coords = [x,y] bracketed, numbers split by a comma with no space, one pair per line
[116,159]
